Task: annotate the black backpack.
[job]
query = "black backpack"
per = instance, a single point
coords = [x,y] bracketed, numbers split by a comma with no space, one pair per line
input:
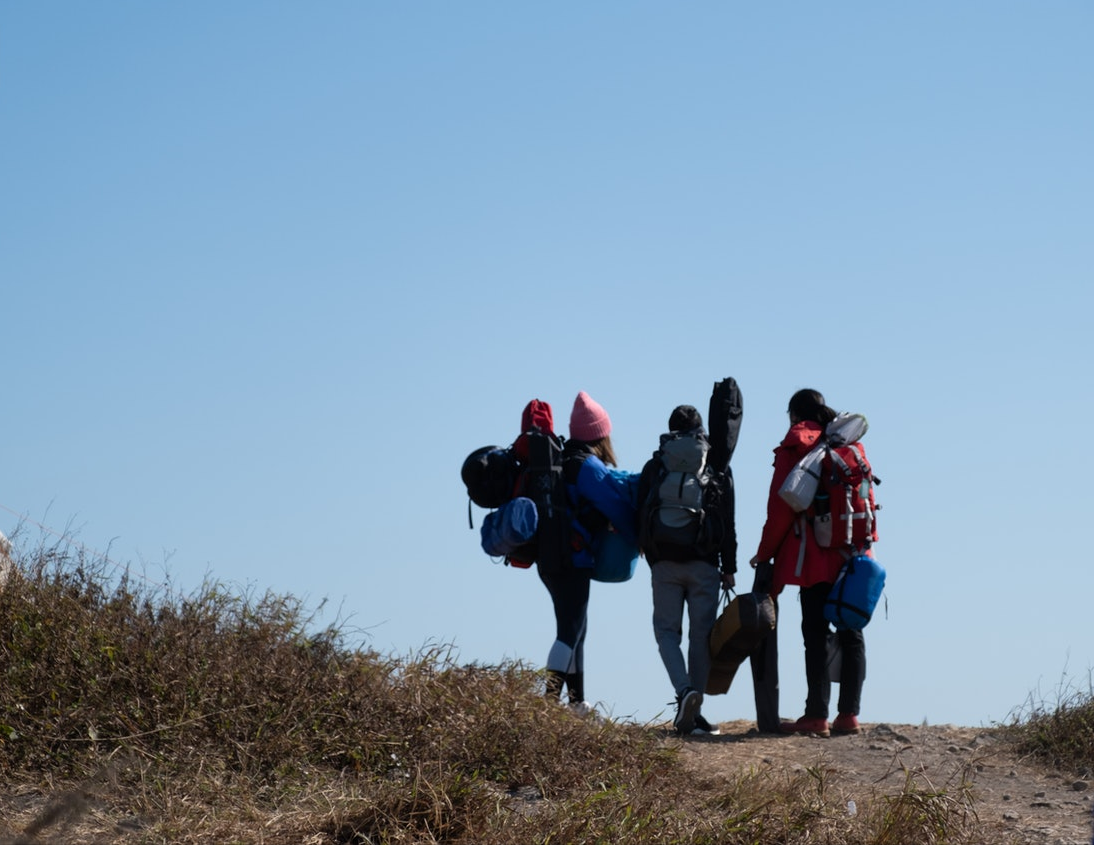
[530,469]
[540,479]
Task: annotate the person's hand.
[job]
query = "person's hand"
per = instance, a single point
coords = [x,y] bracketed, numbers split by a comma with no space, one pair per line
[755,561]
[729,580]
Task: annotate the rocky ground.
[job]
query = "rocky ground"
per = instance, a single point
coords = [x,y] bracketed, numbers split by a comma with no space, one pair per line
[1015,800]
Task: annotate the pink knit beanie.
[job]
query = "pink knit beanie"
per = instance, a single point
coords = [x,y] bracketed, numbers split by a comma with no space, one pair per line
[588,421]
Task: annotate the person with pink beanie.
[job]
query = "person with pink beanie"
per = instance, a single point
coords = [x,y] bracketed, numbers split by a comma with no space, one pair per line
[597,496]
[589,422]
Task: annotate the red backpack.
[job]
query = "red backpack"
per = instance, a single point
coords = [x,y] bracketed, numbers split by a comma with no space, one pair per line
[844,509]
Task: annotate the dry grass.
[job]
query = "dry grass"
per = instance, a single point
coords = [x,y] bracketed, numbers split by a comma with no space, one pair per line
[1060,733]
[147,716]
[811,805]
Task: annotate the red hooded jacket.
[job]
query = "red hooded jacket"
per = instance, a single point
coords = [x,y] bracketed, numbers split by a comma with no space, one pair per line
[787,536]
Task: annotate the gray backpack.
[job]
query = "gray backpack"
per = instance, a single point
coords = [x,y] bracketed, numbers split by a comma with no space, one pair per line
[678,520]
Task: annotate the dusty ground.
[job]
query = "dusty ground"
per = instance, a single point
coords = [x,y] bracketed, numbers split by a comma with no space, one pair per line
[1014,800]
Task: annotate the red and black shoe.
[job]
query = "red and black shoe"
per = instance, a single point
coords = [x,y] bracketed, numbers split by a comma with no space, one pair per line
[807,725]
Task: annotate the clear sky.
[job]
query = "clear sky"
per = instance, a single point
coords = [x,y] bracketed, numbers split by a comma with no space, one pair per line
[270,270]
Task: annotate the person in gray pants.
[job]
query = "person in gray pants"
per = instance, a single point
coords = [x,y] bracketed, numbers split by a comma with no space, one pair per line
[676,486]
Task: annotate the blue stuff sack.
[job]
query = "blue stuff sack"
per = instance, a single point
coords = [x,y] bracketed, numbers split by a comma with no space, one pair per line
[614,559]
[855,594]
[509,527]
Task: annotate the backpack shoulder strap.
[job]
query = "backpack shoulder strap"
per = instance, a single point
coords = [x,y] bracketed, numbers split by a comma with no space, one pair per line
[839,461]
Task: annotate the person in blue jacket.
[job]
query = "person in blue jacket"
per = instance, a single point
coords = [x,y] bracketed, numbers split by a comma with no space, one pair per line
[598,496]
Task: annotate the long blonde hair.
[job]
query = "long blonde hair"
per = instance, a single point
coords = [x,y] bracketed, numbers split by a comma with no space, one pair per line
[602,448]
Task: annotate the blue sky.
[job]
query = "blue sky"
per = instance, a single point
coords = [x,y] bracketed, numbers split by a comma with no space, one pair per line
[271,270]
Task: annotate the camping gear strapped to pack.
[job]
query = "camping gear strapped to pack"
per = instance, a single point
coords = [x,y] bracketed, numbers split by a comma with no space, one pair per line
[510,528]
[852,599]
[724,423]
[833,484]
[490,475]
[724,420]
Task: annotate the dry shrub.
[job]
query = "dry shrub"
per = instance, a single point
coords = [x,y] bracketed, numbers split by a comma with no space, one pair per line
[91,667]
[222,716]
[811,805]
[1060,733]
[925,815]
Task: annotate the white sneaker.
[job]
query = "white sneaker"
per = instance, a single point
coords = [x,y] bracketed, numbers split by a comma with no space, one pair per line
[585,711]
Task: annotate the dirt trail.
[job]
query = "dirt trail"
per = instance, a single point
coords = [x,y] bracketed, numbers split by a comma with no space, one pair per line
[1015,800]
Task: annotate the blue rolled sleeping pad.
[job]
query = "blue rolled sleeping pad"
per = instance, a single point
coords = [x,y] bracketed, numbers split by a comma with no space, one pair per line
[509,527]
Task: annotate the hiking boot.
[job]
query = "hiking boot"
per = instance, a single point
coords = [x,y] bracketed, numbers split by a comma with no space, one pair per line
[807,725]
[845,723]
[703,727]
[687,708]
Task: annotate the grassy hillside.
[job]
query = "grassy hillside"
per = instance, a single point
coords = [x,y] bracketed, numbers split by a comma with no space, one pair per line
[140,714]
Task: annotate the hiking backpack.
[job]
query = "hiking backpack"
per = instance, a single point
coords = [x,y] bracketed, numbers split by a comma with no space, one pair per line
[680,518]
[540,480]
[834,484]
[844,509]
[530,518]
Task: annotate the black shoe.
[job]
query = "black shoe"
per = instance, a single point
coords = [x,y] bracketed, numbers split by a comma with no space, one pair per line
[702,726]
[687,708]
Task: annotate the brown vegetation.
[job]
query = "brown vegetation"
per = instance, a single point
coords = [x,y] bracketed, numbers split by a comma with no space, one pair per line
[139,714]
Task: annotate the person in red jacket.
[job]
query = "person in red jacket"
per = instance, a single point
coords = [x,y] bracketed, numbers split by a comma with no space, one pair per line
[798,560]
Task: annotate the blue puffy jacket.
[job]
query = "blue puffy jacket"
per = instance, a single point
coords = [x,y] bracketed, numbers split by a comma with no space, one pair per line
[599,495]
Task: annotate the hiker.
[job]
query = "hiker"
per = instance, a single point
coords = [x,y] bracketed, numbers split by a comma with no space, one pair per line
[596,496]
[799,560]
[684,564]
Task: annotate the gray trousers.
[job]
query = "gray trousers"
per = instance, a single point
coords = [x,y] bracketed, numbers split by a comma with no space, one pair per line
[695,584]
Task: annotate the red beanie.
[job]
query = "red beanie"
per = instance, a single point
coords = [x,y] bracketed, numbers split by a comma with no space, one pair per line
[537,414]
[588,421]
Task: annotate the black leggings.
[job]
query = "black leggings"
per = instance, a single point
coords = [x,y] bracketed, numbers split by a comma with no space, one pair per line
[815,632]
[569,589]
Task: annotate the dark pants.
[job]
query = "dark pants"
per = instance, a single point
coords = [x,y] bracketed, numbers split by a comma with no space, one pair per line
[765,682]
[764,663]
[815,632]
[569,589]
